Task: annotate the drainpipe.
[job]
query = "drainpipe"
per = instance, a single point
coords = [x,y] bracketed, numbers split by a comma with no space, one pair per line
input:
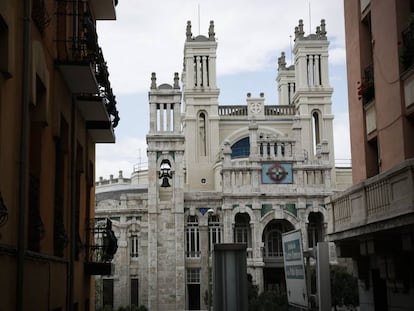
[73,201]
[24,123]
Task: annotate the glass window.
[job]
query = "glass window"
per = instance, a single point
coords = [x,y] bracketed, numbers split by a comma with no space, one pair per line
[134,246]
[242,229]
[193,276]
[192,238]
[241,148]
[214,230]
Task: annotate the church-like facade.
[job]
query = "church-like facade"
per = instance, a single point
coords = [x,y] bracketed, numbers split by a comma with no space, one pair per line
[222,174]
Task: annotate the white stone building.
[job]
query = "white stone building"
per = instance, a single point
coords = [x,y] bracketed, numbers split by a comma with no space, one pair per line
[226,174]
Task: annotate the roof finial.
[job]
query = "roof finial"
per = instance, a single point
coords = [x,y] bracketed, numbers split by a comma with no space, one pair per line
[188,32]
[176,79]
[211,33]
[282,61]
[301,32]
[323,28]
[153,81]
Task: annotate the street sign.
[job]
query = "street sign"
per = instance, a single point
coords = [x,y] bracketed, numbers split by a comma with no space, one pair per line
[294,269]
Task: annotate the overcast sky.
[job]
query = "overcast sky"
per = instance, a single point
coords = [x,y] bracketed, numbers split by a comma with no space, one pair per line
[148,36]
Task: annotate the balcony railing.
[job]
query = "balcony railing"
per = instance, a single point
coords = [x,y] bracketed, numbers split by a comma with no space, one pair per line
[237,111]
[101,247]
[83,66]
[380,199]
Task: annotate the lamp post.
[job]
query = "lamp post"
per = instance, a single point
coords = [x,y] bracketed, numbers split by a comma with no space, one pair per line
[210,212]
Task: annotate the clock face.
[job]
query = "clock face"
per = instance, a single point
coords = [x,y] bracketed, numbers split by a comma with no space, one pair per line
[277,173]
[256,107]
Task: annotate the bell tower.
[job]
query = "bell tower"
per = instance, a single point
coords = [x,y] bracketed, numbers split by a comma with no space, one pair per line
[313,94]
[165,141]
[200,98]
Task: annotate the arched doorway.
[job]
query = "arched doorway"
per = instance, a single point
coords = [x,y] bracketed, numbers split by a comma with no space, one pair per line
[273,270]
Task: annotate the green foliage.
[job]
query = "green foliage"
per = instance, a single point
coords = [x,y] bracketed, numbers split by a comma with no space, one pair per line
[266,301]
[344,287]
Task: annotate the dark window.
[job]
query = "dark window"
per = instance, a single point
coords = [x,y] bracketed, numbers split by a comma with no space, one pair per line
[134,292]
[241,148]
[108,292]
[4,47]
[242,229]
[193,289]
[372,157]
[315,229]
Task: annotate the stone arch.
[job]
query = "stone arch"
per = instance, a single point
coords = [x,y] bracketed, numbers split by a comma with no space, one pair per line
[266,219]
[242,209]
[244,132]
[317,209]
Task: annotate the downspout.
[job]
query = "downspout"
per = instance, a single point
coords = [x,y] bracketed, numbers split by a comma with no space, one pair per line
[73,200]
[23,166]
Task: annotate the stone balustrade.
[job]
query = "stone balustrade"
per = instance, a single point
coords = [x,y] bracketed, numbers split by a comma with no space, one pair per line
[378,201]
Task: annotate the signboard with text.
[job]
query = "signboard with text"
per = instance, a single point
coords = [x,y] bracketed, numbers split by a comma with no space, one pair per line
[294,269]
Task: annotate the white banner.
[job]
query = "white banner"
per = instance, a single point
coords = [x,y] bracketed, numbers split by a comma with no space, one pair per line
[295,273]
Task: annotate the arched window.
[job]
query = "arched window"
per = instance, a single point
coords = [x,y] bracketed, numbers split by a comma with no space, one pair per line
[202,134]
[192,237]
[241,148]
[316,130]
[242,229]
[272,238]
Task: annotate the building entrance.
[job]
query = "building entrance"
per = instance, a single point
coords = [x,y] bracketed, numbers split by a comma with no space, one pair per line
[274,280]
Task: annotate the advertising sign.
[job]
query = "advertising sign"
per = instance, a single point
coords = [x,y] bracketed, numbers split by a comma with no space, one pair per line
[294,269]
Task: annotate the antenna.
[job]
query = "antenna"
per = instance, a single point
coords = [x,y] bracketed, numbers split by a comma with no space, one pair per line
[199,19]
[139,158]
[310,18]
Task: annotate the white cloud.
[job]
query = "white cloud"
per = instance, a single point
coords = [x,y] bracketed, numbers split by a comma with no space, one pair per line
[122,156]
[337,56]
[149,37]
[341,137]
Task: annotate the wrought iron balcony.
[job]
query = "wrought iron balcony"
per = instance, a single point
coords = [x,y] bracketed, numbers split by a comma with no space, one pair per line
[101,248]
[84,69]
